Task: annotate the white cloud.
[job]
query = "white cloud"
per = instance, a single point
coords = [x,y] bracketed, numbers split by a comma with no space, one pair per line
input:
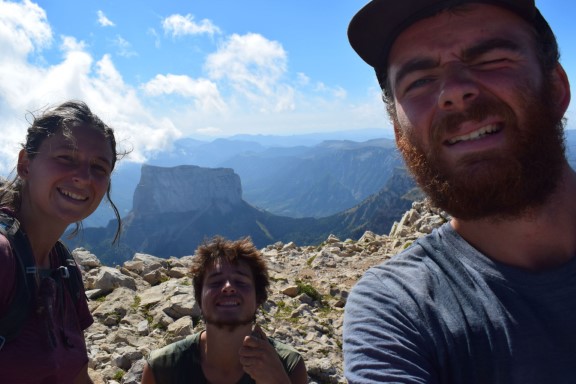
[124,47]
[23,29]
[103,20]
[152,32]
[69,43]
[179,25]
[303,79]
[203,91]
[27,86]
[246,87]
[254,66]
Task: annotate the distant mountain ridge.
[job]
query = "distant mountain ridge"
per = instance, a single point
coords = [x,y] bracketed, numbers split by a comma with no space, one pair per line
[177,232]
[298,176]
[335,174]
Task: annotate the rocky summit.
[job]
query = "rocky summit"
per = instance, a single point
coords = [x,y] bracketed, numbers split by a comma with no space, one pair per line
[148,302]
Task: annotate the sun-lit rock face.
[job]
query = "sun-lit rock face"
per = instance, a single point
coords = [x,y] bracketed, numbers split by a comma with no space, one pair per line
[185,188]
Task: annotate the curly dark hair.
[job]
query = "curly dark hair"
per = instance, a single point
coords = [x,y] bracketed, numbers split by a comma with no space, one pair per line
[219,248]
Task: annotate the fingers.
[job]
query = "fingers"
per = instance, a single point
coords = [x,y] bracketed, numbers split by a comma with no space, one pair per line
[258,333]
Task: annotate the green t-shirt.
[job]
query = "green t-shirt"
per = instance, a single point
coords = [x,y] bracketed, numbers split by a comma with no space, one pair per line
[179,362]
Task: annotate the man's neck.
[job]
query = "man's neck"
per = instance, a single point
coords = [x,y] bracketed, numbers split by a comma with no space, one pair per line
[545,238]
[220,346]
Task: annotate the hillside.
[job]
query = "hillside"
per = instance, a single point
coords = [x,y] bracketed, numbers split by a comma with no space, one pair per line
[292,180]
[148,301]
[176,208]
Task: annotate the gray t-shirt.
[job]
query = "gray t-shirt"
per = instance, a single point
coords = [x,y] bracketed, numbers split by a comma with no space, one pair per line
[441,312]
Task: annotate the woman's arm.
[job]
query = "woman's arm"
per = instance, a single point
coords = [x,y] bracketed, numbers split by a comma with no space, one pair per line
[299,375]
[148,375]
[83,377]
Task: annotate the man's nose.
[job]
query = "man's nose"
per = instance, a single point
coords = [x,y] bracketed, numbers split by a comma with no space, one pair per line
[458,90]
[228,287]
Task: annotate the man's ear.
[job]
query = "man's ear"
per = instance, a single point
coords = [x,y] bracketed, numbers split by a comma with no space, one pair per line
[561,86]
[23,164]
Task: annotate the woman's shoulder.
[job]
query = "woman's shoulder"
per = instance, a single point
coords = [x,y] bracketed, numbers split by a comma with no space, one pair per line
[7,273]
[7,260]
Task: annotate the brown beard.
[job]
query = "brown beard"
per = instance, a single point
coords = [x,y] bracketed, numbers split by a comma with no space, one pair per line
[230,325]
[496,185]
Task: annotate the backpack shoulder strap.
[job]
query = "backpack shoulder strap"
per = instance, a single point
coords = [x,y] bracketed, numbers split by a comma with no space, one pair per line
[13,319]
[70,271]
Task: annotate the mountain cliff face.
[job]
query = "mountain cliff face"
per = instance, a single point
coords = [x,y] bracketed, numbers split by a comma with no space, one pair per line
[185,188]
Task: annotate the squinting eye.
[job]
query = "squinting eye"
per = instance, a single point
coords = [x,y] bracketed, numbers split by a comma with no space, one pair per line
[101,169]
[418,83]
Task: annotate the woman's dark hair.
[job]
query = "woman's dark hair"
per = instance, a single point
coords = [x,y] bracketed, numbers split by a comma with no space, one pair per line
[218,248]
[72,113]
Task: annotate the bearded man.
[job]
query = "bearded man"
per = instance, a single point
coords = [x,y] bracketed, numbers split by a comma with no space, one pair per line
[230,280]
[477,97]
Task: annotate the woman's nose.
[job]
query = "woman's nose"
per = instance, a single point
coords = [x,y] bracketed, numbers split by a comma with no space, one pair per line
[82,173]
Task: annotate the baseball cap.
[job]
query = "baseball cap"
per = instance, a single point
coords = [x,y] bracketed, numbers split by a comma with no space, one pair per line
[374,28]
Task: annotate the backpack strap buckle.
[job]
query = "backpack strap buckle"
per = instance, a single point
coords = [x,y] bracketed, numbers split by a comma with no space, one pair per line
[64,272]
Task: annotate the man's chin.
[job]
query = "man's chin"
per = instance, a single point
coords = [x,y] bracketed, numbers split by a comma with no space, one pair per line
[229,324]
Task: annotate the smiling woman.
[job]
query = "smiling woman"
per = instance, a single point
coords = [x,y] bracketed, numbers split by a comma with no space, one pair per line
[63,173]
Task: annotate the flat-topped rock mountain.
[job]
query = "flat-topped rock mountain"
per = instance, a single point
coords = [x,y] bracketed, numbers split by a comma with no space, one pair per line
[175,208]
[148,302]
[185,188]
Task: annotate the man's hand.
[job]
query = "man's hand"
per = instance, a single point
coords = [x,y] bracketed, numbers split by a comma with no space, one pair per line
[260,360]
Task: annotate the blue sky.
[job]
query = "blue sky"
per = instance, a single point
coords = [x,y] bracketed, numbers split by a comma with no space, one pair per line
[160,70]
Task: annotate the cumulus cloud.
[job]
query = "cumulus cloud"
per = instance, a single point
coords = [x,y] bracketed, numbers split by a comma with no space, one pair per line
[23,29]
[182,25]
[204,92]
[103,20]
[26,85]
[245,86]
[254,66]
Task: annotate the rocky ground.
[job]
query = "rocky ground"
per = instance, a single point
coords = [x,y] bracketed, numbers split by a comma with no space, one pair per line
[148,302]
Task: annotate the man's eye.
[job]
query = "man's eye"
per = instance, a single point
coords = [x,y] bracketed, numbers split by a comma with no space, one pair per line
[487,64]
[418,83]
